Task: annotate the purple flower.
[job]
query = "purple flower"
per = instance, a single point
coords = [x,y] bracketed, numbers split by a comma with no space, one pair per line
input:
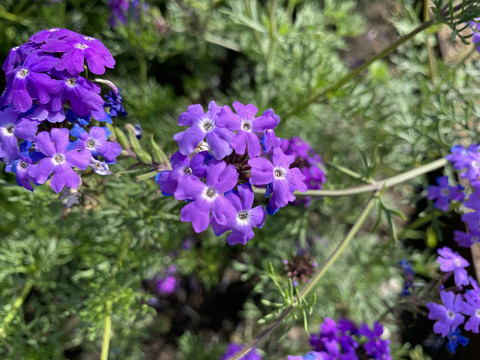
[246,217]
[12,129]
[234,348]
[208,197]
[76,49]
[119,8]
[29,81]
[100,167]
[283,179]
[466,240]
[20,167]
[375,347]
[204,126]
[466,159]
[454,339]
[270,140]
[444,193]
[247,125]
[448,317]
[313,355]
[182,167]
[114,101]
[53,33]
[96,142]
[166,285]
[58,160]
[472,219]
[452,261]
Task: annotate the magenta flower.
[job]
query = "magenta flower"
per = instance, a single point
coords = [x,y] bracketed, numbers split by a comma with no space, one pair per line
[448,315]
[246,217]
[247,125]
[452,261]
[204,126]
[207,198]
[283,179]
[58,160]
[76,49]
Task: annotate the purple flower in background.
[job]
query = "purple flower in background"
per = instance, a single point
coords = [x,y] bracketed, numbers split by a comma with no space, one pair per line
[283,179]
[12,129]
[58,160]
[204,126]
[76,49]
[114,101]
[247,125]
[448,315]
[233,348]
[182,167]
[466,159]
[28,81]
[246,217]
[444,193]
[375,347]
[96,142]
[475,26]
[270,140]
[472,219]
[466,240]
[208,197]
[452,261]
[166,285]
[454,339]
[119,8]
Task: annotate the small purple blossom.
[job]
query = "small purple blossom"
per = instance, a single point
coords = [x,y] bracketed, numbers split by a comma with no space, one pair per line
[375,347]
[58,160]
[167,285]
[452,261]
[444,193]
[467,161]
[12,129]
[247,125]
[449,315]
[283,179]
[204,126]
[114,101]
[96,142]
[466,240]
[246,216]
[455,339]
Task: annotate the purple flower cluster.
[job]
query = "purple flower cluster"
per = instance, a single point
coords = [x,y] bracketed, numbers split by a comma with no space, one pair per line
[233,348]
[45,91]
[346,341]
[456,306]
[222,154]
[444,193]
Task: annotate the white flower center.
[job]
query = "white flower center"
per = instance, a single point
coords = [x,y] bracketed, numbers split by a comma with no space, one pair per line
[279,173]
[90,143]
[53,30]
[450,314]
[23,164]
[457,262]
[188,171]
[246,125]
[477,312]
[445,192]
[209,194]
[207,125]
[23,73]
[88,38]
[71,82]
[243,217]
[81,46]
[8,129]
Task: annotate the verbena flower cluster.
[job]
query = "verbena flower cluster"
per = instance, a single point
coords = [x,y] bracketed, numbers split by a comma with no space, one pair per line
[347,341]
[467,162]
[47,110]
[456,305]
[222,154]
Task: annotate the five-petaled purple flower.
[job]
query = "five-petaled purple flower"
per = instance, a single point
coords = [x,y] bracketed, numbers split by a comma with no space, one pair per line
[58,160]
[448,316]
[246,216]
[96,142]
[204,126]
[452,261]
[444,193]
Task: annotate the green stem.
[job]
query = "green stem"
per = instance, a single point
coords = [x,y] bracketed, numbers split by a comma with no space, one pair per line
[16,305]
[314,97]
[313,281]
[375,186]
[107,330]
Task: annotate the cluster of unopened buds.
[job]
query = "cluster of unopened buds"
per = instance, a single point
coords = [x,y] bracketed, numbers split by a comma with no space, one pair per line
[222,154]
[47,110]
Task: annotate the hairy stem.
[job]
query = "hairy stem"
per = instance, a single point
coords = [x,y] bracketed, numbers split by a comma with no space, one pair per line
[313,281]
[375,186]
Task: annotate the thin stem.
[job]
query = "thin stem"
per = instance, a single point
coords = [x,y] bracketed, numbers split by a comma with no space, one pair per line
[313,281]
[349,76]
[16,305]
[107,330]
[375,186]
[431,56]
